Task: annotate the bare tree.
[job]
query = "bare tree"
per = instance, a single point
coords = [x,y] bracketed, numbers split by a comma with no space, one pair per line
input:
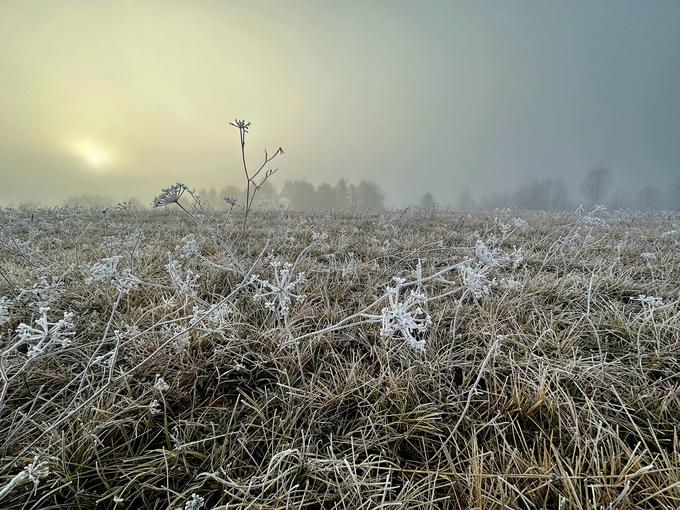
[595,185]
[252,183]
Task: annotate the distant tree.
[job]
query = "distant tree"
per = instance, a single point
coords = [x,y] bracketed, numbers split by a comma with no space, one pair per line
[595,185]
[535,194]
[369,196]
[427,202]
[465,201]
[649,198]
[674,198]
[559,195]
[300,194]
[326,197]
[342,194]
[268,195]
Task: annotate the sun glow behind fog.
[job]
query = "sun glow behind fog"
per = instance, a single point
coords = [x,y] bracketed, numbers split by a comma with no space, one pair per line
[95,156]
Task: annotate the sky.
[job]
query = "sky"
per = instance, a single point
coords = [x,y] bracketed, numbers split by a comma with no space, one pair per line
[123,98]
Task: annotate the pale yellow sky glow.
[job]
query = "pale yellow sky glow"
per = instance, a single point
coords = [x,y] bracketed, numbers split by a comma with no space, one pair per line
[123,98]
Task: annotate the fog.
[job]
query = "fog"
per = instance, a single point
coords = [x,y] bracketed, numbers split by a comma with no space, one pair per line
[121,99]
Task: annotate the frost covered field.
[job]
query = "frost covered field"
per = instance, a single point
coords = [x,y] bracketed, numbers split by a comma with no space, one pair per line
[159,359]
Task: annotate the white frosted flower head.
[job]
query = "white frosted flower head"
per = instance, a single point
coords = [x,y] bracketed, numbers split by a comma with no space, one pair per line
[195,503]
[190,247]
[105,270]
[160,384]
[155,407]
[406,317]
[170,195]
[650,301]
[278,294]
[45,334]
[520,223]
[475,280]
[648,256]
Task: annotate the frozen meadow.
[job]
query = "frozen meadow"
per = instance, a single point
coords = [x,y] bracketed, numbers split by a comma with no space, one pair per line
[169,359]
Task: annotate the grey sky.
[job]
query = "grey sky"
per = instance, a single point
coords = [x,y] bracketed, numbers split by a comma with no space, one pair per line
[122,98]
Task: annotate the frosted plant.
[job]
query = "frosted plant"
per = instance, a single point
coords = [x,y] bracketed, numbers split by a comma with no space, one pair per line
[4,310]
[123,206]
[509,284]
[160,384]
[278,295]
[190,247]
[475,280]
[217,320]
[491,258]
[648,256]
[184,283]
[350,266]
[46,333]
[155,407]
[105,270]
[520,223]
[566,242]
[44,292]
[170,195]
[321,238]
[516,257]
[195,503]
[650,301]
[405,317]
[33,472]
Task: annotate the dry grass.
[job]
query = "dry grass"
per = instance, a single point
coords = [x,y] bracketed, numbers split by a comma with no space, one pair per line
[561,393]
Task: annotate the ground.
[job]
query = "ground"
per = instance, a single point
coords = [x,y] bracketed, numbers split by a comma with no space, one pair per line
[502,359]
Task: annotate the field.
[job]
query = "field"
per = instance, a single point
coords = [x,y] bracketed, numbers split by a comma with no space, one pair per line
[502,359]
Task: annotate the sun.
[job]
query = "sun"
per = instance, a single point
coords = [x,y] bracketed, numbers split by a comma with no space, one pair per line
[95,155]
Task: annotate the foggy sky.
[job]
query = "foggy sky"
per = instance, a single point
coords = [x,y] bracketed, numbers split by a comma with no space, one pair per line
[123,98]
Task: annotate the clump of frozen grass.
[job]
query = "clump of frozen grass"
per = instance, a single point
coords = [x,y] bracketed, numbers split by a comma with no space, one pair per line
[46,334]
[406,316]
[278,295]
[5,303]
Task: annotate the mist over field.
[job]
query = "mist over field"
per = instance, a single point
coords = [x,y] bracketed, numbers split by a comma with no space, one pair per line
[118,99]
[339,255]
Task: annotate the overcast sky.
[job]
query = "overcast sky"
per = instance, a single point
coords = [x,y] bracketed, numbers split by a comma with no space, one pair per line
[122,98]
